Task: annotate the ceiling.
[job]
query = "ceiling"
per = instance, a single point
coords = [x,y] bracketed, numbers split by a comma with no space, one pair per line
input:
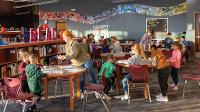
[87,7]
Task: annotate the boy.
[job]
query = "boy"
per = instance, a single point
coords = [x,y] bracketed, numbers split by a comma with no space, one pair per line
[34,74]
[109,78]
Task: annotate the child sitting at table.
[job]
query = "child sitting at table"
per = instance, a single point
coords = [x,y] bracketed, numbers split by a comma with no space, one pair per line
[135,59]
[22,68]
[109,78]
[34,75]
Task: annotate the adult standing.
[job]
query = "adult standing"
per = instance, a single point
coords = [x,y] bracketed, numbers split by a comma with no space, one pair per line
[146,40]
[78,56]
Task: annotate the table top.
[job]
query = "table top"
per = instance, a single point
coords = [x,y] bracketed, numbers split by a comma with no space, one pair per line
[125,63]
[120,54]
[62,70]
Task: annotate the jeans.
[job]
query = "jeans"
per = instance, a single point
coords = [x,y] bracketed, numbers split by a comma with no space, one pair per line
[174,74]
[163,75]
[124,82]
[90,71]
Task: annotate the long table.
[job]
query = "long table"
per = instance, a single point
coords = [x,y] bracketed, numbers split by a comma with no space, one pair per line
[69,72]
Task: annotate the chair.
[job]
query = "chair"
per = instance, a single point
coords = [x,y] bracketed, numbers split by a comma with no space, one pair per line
[167,53]
[13,93]
[98,88]
[139,74]
[2,93]
[191,77]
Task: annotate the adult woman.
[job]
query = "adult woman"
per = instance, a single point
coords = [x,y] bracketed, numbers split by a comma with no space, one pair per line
[78,56]
[147,39]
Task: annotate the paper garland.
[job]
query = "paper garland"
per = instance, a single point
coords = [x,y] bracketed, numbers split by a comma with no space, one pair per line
[121,9]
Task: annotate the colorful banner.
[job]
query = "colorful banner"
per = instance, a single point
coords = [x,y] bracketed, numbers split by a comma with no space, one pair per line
[121,9]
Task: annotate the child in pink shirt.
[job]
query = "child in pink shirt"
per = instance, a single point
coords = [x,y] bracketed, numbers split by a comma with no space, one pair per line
[175,62]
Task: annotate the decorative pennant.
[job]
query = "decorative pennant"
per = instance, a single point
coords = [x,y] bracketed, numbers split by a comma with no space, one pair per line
[121,9]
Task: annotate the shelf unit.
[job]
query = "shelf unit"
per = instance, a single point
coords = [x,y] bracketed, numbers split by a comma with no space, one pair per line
[10,53]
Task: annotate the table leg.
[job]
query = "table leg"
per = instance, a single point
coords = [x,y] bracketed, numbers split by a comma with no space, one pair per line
[118,81]
[78,93]
[71,80]
[46,88]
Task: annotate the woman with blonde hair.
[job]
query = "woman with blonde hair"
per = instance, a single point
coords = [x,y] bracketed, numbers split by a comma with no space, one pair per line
[78,56]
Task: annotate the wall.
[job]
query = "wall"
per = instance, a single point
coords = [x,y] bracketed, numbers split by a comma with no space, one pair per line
[192,7]
[127,26]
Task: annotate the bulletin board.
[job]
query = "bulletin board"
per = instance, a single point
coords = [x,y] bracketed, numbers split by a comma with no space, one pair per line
[159,26]
[61,26]
[100,30]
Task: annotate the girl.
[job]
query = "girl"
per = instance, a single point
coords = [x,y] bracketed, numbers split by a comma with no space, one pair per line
[175,62]
[22,70]
[163,68]
[135,59]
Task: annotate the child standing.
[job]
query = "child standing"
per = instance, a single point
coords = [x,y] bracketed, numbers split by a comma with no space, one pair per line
[163,68]
[175,62]
[34,75]
[135,59]
[109,78]
[22,70]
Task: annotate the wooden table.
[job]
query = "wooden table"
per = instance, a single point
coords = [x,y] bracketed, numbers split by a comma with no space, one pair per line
[70,72]
[120,64]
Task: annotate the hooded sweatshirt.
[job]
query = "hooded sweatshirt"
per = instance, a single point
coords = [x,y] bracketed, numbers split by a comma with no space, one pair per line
[34,74]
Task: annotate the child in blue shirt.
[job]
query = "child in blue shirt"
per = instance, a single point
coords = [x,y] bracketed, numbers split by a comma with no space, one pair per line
[135,59]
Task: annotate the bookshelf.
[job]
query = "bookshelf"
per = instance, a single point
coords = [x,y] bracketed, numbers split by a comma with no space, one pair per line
[46,50]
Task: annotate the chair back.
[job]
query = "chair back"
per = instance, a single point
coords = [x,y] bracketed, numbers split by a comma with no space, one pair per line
[139,73]
[12,87]
[98,65]
[102,78]
[167,54]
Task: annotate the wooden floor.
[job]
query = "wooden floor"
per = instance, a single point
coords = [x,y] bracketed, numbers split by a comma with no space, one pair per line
[190,103]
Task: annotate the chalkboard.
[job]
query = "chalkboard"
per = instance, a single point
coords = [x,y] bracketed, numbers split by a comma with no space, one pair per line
[157,24]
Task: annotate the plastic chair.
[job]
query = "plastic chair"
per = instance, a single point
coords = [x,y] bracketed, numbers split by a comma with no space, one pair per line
[2,93]
[191,77]
[13,92]
[98,88]
[139,74]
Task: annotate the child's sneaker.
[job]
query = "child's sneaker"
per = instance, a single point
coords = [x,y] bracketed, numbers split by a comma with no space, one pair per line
[125,97]
[107,97]
[175,88]
[97,95]
[162,99]
[171,85]
[159,95]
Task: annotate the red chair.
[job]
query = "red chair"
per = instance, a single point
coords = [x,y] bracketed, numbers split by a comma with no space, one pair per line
[98,88]
[167,53]
[13,93]
[190,77]
[139,74]
[2,93]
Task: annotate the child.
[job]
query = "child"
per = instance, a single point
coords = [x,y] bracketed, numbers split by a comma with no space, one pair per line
[109,78]
[34,75]
[175,62]
[22,67]
[135,59]
[163,68]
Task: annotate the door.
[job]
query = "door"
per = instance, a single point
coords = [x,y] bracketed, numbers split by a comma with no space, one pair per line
[197,31]
[61,26]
